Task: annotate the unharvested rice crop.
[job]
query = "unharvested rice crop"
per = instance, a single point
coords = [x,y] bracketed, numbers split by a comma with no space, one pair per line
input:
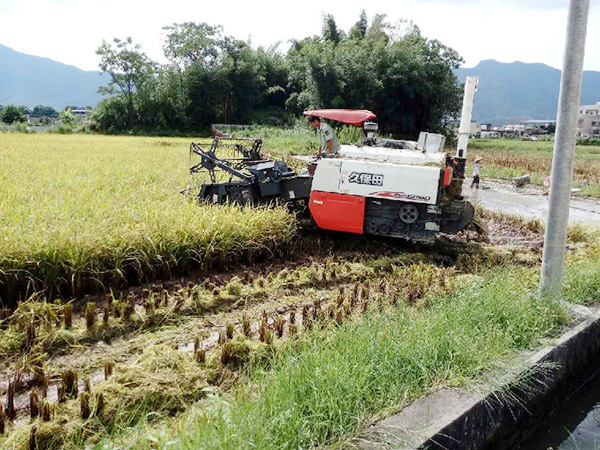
[84,212]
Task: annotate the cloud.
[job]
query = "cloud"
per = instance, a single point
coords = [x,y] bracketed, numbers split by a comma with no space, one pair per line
[524,4]
[506,30]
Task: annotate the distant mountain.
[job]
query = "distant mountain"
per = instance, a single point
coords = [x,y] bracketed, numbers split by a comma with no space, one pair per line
[31,80]
[510,92]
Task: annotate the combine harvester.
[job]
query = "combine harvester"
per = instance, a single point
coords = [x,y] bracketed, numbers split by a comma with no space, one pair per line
[403,189]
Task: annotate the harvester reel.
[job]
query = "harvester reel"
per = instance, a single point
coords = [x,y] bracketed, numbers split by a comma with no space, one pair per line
[408,213]
[235,172]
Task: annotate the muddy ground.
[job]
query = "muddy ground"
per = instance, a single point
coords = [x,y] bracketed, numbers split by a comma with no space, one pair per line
[530,201]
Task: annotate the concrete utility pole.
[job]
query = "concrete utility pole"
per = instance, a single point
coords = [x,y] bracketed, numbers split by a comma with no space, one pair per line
[563,155]
[465,120]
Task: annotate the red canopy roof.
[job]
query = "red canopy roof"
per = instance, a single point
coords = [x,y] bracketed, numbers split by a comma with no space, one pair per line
[350,116]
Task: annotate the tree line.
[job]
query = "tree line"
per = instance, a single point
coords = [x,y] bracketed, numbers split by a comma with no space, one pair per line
[405,78]
[11,114]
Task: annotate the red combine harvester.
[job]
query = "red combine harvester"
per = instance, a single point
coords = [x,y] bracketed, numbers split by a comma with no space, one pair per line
[384,187]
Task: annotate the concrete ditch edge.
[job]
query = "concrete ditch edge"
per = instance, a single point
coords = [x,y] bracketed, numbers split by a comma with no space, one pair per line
[499,417]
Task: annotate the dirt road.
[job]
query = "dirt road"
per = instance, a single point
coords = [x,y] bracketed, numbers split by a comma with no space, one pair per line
[529,202]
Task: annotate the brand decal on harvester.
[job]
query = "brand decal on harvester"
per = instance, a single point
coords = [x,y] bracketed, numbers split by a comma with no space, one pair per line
[402,195]
[372,179]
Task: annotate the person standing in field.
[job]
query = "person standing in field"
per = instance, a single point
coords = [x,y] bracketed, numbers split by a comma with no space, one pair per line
[328,143]
[476,170]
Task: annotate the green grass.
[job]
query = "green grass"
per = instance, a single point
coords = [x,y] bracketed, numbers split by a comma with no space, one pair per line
[511,145]
[82,210]
[298,140]
[581,279]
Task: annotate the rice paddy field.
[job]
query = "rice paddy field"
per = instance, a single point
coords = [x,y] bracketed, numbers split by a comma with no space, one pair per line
[80,212]
[261,346]
[507,158]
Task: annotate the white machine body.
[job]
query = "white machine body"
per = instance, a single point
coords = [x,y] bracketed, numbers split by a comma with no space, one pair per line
[379,189]
[389,180]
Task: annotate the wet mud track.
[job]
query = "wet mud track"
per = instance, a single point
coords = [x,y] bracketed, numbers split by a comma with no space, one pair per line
[528,202]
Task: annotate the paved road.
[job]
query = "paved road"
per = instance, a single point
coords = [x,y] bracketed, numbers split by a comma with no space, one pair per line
[529,202]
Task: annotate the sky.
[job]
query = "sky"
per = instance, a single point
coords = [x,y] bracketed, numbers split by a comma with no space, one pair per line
[70,31]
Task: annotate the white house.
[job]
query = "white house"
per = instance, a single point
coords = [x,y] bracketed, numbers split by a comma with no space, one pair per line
[588,124]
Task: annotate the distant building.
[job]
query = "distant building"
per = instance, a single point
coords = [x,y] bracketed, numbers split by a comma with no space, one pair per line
[588,123]
[515,129]
[454,125]
[495,132]
[488,130]
[81,112]
[538,124]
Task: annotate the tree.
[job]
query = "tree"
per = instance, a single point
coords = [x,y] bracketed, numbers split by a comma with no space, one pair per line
[330,30]
[44,111]
[405,78]
[189,42]
[12,114]
[377,32]
[67,117]
[359,30]
[313,74]
[212,77]
[110,115]
[273,63]
[131,71]
[419,86]
[192,82]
